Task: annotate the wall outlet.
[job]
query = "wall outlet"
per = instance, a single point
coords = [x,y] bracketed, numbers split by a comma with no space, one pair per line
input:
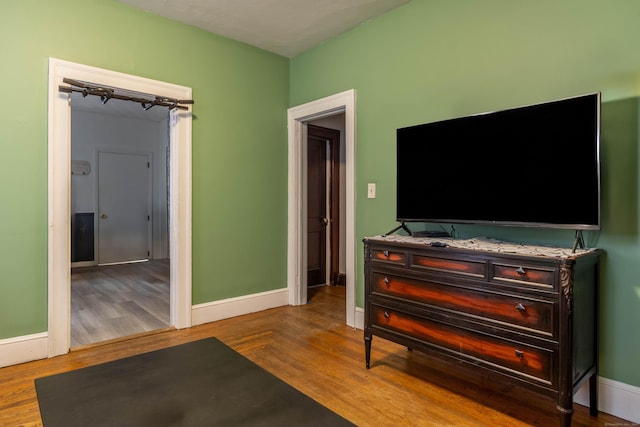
[371,190]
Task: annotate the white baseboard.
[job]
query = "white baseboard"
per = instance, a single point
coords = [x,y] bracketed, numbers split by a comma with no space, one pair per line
[23,349]
[232,307]
[359,318]
[615,398]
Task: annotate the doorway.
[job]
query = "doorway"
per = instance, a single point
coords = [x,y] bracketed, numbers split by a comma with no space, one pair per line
[324,202]
[123,288]
[59,166]
[298,119]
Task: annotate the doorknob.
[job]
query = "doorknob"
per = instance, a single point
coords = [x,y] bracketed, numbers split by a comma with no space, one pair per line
[103,216]
[325,221]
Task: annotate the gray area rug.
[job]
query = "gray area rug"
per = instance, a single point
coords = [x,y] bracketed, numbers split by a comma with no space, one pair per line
[203,383]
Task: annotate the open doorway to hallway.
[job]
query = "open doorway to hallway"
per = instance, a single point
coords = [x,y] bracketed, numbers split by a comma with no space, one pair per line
[59,177]
[297,119]
[326,201]
[120,275]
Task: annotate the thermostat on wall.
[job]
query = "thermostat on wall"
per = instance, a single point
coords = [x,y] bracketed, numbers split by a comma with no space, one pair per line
[80,167]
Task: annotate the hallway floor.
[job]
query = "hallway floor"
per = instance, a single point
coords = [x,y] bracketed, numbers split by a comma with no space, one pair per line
[113,301]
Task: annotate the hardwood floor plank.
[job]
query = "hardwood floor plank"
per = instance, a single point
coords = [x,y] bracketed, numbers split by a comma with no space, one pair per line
[311,348]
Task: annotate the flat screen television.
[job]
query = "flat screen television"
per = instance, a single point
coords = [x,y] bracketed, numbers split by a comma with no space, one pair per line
[531,166]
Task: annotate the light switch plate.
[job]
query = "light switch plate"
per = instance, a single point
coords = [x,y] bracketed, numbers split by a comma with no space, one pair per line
[371,190]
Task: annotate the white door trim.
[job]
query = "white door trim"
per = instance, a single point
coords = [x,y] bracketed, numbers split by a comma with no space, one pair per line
[297,120]
[59,178]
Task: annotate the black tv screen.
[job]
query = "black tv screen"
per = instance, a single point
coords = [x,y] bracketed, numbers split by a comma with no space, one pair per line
[536,165]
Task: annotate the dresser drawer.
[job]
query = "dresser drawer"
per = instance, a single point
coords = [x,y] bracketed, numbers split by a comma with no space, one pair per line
[528,275]
[389,256]
[517,311]
[472,268]
[511,357]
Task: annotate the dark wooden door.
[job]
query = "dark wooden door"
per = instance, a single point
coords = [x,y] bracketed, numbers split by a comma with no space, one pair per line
[323,195]
[316,210]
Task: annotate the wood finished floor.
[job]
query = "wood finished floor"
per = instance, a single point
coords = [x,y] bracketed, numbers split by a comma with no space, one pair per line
[112,301]
[311,348]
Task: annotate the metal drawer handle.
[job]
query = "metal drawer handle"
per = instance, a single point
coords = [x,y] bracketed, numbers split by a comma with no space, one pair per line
[519,354]
[386,281]
[521,308]
[386,315]
[521,271]
[385,253]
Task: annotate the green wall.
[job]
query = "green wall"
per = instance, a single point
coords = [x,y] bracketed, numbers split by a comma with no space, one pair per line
[438,59]
[239,143]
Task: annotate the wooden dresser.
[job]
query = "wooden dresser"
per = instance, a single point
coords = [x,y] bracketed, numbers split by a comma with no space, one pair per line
[526,315]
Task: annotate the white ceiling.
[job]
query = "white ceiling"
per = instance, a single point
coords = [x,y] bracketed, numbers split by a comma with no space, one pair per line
[284,27]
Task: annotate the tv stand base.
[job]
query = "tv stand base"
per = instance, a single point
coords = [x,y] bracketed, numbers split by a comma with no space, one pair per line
[402,226]
[579,241]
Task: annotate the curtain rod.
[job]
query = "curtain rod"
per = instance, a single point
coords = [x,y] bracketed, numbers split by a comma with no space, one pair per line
[106,93]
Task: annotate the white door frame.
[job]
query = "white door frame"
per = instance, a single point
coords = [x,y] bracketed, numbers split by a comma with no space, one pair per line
[297,120]
[59,177]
